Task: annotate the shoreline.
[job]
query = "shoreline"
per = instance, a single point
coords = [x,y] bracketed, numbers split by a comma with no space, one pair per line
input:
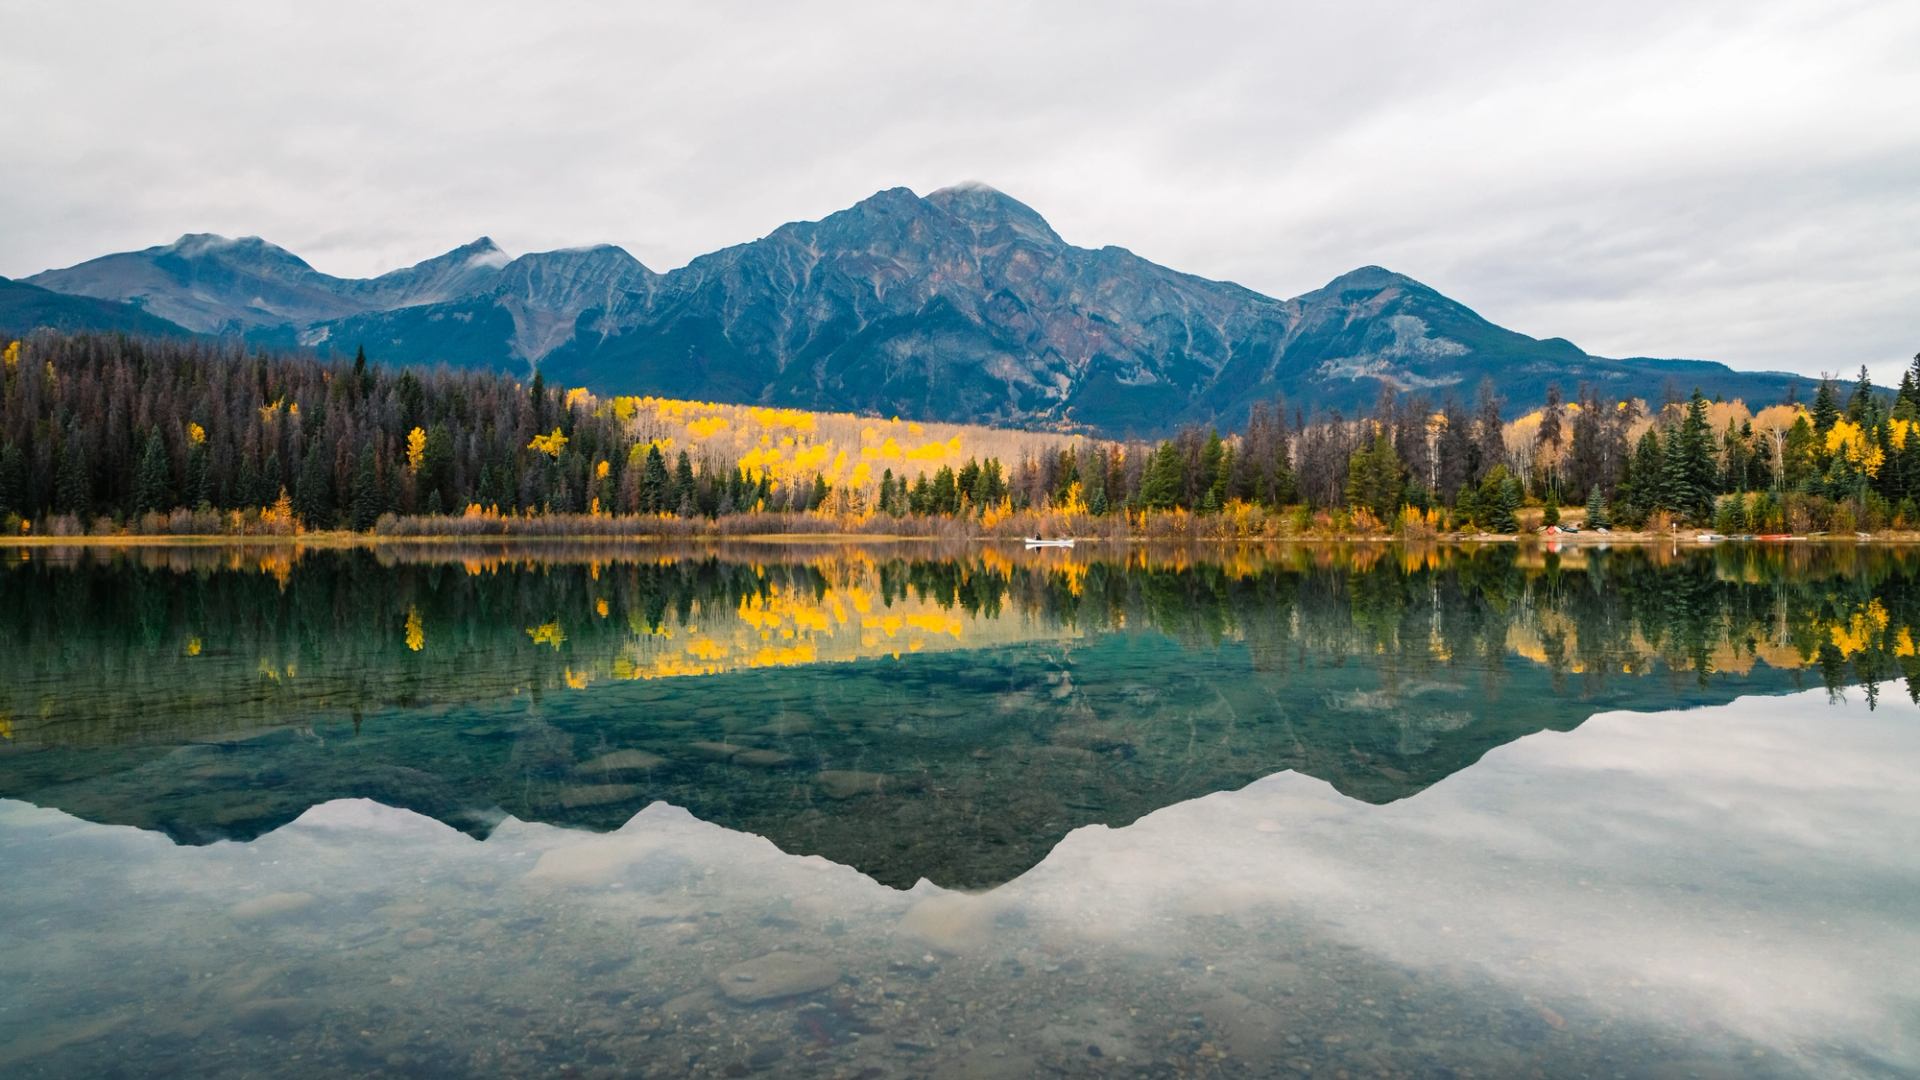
[342,540]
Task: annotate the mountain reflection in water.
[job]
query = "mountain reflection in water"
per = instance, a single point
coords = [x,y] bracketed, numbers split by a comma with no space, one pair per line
[1724,893]
[908,712]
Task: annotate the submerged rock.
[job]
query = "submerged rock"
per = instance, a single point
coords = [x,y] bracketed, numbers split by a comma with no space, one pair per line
[848,783]
[775,976]
[271,906]
[580,796]
[720,751]
[950,922]
[766,759]
[620,762]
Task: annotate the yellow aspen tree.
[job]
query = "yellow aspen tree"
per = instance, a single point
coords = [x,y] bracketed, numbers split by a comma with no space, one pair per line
[416,449]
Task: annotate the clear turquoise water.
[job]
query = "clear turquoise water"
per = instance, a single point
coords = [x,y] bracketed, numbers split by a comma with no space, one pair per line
[909,811]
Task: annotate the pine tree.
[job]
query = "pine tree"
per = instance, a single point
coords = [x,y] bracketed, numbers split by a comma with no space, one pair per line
[1730,515]
[1826,409]
[1214,465]
[1691,477]
[656,487]
[73,480]
[199,491]
[1376,481]
[13,481]
[1597,516]
[1164,480]
[1642,487]
[153,480]
[1500,496]
[1863,405]
[369,498]
[683,486]
[1551,514]
[313,493]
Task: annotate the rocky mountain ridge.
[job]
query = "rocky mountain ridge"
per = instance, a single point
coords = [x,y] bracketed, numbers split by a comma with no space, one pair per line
[963,304]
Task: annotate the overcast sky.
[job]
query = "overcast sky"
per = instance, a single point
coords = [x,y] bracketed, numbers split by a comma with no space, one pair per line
[1735,181]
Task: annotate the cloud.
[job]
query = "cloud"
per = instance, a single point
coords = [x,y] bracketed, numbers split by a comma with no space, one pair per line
[1735,181]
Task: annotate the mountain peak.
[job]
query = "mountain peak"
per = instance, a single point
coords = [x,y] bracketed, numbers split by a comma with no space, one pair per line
[245,248]
[1366,277]
[983,206]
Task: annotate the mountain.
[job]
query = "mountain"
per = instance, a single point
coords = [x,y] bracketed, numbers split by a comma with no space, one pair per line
[963,304]
[212,284]
[25,308]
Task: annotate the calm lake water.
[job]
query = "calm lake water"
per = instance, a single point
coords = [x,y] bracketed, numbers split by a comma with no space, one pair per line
[905,811]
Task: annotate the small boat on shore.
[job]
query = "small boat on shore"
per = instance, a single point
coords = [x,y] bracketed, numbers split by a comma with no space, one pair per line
[1037,542]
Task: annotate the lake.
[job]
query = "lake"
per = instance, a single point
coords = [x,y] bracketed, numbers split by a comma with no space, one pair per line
[911,810]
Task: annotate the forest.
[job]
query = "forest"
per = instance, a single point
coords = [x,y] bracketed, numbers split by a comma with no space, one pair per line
[111,434]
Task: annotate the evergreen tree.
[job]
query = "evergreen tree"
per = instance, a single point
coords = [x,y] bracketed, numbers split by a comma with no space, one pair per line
[1376,480]
[683,485]
[1730,515]
[1551,514]
[1499,500]
[13,481]
[946,492]
[1214,465]
[1161,486]
[369,496]
[1798,459]
[1597,516]
[1826,409]
[153,480]
[199,490]
[73,482]
[1642,487]
[656,486]
[1863,405]
[313,493]
[1691,475]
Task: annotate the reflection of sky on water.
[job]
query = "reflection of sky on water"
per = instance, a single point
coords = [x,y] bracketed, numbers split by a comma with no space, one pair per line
[1754,864]
[1746,869]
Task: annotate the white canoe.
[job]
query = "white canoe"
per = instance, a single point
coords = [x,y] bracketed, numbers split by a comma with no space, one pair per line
[1034,542]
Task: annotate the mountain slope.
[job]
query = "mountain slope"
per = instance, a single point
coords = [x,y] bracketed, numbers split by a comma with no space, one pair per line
[961,305]
[25,308]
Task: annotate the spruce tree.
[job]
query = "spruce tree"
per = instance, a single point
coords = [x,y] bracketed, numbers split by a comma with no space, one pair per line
[1690,476]
[313,493]
[1161,486]
[1642,488]
[1376,481]
[1214,464]
[13,481]
[683,486]
[369,498]
[73,480]
[153,478]
[1826,409]
[1863,406]
[1597,517]
[656,487]
[1500,496]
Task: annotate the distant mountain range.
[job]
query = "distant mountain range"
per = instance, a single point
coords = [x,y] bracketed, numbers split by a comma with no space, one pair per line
[962,305]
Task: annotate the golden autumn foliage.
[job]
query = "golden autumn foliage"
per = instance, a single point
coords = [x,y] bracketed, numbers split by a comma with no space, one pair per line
[1846,439]
[551,444]
[416,631]
[11,357]
[416,449]
[196,435]
[790,447]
